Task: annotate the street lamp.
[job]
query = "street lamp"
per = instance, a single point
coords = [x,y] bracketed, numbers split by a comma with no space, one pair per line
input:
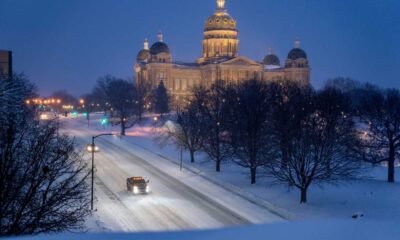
[93,150]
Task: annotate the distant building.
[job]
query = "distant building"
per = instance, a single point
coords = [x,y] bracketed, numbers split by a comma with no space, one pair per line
[5,64]
[220,60]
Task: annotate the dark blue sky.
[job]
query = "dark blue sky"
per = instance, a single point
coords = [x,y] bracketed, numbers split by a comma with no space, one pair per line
[68,44]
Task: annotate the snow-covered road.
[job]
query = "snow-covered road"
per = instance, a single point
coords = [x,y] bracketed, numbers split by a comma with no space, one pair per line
[171,205]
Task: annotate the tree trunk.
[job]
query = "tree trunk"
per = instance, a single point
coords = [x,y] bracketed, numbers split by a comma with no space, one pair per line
[303,198]
[284,156]
[218,165]
[191,156]
[253,175]
[391,163]
[122,127]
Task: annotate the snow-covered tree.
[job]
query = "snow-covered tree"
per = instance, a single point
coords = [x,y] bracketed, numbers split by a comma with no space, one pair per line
[186,131]
[42,177]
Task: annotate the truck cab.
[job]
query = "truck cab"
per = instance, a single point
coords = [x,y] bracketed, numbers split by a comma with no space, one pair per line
[137,185]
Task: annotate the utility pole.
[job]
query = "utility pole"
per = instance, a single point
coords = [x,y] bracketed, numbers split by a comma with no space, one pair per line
[181,164]
[92,198]
[93,150]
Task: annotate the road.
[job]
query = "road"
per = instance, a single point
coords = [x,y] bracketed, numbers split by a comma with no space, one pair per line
[171,205]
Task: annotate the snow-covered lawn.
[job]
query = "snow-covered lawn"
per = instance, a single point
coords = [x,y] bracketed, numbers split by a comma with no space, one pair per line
[309,230]
[374,197]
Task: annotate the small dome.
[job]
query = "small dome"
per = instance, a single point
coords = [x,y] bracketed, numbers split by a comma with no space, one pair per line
[159,47]
[271,59]
[143,55]
[297,53]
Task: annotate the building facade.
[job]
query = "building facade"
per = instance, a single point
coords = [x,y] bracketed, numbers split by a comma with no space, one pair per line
[5,64]
[220,60]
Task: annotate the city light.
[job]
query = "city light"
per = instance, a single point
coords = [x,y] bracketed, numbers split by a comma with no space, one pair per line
[104,121]
[68,107]
[44,117]
[40,101]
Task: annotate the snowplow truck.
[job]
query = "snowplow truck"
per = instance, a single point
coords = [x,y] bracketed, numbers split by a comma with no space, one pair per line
[137,185]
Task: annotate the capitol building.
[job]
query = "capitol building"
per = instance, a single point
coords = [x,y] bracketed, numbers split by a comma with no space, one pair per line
[220,60]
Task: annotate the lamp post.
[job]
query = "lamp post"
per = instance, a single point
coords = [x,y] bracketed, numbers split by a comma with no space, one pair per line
[93,150]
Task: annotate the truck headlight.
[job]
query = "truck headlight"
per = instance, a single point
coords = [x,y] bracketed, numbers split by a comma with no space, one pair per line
[147,189]
[135,190]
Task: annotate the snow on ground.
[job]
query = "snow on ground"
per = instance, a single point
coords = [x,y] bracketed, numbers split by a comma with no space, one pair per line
[199,205]
[309,230]
[374,197]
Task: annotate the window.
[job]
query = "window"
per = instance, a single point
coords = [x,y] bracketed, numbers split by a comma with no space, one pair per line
[184,84]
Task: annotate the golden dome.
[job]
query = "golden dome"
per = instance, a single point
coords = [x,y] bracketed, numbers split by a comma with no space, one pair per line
[221,20]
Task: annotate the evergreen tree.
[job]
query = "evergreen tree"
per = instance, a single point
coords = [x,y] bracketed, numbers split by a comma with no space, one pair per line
[161,99]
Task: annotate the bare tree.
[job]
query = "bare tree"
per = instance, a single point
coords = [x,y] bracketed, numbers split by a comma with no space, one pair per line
[322,151]
[42,178]
[143,90]
[345,85]
[13,93]
[100,92]
[212,107]
[249,125]
[122,97]
[290,102]
[90,105]
[42,182]
[186,133]
[380,114]
[65,97]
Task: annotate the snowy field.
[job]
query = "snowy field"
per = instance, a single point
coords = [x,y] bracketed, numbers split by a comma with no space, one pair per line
[229,198]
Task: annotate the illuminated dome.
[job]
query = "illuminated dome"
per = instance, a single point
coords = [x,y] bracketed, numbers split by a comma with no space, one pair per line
[220,39]
[144,54]
[221,20]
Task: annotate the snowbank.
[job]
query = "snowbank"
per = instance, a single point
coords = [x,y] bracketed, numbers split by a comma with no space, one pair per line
[315,230]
